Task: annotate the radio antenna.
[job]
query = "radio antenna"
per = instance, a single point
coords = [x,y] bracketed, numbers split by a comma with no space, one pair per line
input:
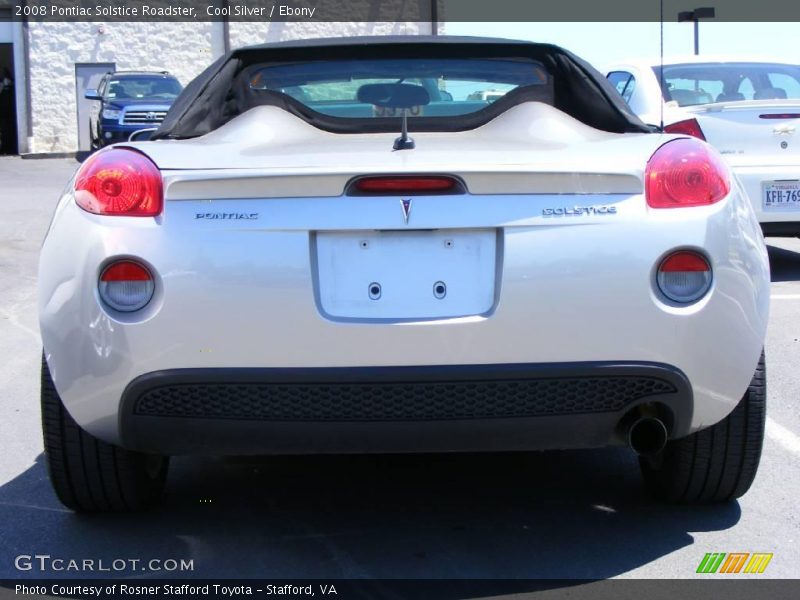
[661,62]
[404,142]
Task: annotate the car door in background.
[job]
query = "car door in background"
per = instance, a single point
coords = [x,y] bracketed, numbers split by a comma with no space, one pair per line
[88,76]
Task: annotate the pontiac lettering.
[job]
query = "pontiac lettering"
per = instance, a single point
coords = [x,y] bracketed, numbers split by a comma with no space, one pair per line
[228,216]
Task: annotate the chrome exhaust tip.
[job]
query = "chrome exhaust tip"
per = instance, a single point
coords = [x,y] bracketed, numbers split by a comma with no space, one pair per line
[647,436]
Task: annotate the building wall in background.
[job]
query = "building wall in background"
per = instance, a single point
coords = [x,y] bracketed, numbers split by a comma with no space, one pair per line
[54,48]
[184,49]
[247,34]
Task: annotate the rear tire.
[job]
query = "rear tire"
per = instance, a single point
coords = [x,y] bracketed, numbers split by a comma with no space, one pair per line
[92,143]
[90,475]
[717,464]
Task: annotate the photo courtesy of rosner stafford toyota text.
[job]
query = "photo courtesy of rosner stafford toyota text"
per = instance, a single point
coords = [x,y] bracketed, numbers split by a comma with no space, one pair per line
[399,299]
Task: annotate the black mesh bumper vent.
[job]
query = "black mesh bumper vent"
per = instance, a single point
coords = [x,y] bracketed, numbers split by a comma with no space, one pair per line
[398,401]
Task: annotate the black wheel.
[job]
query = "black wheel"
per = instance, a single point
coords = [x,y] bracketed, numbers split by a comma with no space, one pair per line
[89,475]
[717,464]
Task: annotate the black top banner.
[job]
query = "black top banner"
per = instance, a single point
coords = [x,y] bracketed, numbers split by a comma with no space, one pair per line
[402,10]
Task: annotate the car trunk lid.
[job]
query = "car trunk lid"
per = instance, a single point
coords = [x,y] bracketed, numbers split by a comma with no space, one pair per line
[753,133]
[531,149]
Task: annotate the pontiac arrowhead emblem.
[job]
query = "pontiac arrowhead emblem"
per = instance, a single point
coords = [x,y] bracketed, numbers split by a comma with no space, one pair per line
[406,204]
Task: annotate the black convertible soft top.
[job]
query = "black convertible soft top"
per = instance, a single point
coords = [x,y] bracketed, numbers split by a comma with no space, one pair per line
[222,91]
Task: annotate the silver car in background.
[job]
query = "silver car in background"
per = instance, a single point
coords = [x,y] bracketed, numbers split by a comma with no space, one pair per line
[749,110]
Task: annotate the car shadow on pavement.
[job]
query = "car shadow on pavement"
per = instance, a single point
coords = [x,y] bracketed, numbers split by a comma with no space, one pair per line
[784,264]
[565,514]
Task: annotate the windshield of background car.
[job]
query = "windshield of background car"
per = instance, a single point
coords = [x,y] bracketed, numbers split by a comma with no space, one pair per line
[706,83]
[454,86]
[140,88]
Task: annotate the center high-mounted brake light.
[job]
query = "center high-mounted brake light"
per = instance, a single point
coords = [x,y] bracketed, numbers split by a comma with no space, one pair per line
[685,172]
[425,184]
[780,116]
[119,182]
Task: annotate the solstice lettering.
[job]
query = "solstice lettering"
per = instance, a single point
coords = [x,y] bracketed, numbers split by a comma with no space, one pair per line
[116,11]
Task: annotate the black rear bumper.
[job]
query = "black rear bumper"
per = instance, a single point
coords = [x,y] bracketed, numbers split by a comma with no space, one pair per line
[781,229]
[396,409]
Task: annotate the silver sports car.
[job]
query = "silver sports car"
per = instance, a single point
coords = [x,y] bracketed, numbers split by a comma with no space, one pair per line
[348,246]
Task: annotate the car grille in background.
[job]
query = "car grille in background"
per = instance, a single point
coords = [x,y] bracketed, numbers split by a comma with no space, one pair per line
[398,401]
[143,117]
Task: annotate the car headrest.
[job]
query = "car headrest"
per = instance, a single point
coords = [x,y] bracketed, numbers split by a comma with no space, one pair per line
[731,97]
[770,94]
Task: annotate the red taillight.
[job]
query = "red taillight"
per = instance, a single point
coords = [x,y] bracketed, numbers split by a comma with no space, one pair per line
[685,172]
[126,286]
[406,185]
[684,276]
[688,127]
[119,182]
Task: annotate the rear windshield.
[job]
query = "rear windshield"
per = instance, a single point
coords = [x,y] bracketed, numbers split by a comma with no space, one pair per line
[362,85]
[454,86]
[706,83]
[138,88]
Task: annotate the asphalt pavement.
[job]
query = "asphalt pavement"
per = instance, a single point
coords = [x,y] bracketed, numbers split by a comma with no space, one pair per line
[570,514]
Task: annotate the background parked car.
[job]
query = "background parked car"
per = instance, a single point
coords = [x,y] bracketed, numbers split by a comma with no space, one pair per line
[750,110]
[128,101]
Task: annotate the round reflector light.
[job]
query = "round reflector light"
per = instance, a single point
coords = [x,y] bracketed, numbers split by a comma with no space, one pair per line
[684,277]
[126,286]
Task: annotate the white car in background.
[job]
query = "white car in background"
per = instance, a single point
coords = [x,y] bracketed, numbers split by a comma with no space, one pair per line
[748,109]
[284,270]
